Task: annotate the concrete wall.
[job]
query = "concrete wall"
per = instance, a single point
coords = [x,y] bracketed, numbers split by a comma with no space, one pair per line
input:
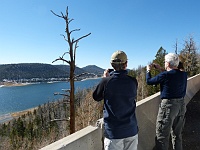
[193,86]
[146,113]
[90,138]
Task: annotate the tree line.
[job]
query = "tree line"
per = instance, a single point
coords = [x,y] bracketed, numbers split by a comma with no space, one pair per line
[38,72]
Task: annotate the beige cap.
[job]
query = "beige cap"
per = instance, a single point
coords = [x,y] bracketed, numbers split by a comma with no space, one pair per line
[118,57]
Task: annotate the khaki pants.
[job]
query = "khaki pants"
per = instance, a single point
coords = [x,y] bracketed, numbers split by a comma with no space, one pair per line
[129,143]
[170,119]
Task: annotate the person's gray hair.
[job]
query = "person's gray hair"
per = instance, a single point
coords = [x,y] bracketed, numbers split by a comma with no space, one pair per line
[172,59]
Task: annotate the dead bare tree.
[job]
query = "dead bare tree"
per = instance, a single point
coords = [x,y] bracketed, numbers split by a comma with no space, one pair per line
[189,56]
[73,45]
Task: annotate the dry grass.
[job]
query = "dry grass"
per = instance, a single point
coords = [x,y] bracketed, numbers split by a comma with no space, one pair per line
[24,112]
[88,112]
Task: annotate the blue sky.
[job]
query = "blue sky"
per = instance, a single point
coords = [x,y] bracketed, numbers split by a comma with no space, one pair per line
[30,33]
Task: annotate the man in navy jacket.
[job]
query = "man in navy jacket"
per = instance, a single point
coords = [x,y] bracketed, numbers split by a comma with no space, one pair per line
[170,119]
[119,92]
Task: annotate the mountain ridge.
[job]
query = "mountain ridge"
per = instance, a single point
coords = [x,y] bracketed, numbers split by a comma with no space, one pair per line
[43,71]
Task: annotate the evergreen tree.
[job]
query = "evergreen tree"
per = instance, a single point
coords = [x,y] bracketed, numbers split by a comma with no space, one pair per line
[189,55]
[159,59]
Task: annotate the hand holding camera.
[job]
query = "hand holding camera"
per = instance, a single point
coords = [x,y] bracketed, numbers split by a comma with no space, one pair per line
[110,70]
[107,72]
[154,65]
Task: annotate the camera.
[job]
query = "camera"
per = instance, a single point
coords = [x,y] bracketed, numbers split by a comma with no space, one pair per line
[153,65]
[110,70]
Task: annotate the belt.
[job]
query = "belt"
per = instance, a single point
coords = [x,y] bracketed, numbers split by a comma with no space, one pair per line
[174,99]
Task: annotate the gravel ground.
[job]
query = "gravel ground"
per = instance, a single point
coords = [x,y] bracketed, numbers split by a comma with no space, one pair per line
[191,132]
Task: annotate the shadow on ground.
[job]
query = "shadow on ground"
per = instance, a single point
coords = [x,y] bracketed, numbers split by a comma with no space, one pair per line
[191,132]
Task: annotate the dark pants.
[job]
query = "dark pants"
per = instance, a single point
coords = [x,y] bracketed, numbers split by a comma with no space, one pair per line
[170,120]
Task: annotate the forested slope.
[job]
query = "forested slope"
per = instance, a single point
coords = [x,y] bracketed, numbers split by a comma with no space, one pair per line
[38,70]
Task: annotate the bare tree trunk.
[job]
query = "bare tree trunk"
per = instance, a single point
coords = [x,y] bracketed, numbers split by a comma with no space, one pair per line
[73,45]
[72,107]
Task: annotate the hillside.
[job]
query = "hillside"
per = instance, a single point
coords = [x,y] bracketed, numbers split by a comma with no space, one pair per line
[28,71]
[66,68]
[93,69]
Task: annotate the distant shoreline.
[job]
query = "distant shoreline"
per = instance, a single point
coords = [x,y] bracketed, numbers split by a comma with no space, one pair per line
[90,78]
[14,115]
[12,84]
[23,112]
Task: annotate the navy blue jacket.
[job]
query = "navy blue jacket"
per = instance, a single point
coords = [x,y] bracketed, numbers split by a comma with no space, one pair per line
[173,83]
[119,92]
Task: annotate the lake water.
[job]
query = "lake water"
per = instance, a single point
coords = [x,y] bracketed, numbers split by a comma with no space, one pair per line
[18,98]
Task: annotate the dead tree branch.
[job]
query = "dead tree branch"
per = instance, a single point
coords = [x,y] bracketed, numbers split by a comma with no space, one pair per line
[71,62]
[64,37]
[64,119]
[61,58]
[56,14]
[74,30]
[82,37]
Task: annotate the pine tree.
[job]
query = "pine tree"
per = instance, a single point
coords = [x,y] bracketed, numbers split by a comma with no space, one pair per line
[159,59]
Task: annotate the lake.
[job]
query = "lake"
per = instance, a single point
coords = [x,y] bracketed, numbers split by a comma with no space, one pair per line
[19,98]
